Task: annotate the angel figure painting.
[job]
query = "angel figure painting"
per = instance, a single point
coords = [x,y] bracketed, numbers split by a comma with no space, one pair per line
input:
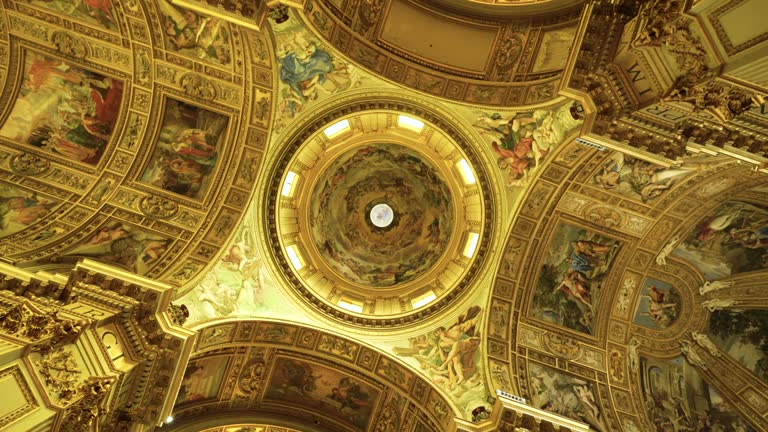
[448,355]
[64,109]
[308,71]
[98,12]
[677,399]
[327,390]
[194,34]
[124,245]
[20,209]
[187,149]
[730,240]
[636,178]
[237,285]
[659,305]
[571,277]
[565,395]
[522,141]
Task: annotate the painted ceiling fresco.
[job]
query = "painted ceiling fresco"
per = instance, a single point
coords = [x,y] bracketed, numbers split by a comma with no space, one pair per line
[344,197]
[619,292]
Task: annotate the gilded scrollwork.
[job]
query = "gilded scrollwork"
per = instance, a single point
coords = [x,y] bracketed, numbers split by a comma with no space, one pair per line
[69,44]
[84,413]
[62,374]
[43,330]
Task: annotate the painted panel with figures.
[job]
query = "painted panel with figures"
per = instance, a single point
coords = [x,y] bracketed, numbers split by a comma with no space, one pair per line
[20,208]
[522,141]
[64,109]
[743,334]
[196,35]
[308,70]
[636,178]
[188,149]
[237,285]
[565,395]
[202,379]
[659,305]
[571,278]
[327,390]
[127,246]
[731,239]
[450,357]
[100,12]
[679,400]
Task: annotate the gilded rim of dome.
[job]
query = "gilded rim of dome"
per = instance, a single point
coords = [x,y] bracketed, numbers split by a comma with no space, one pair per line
[406,314]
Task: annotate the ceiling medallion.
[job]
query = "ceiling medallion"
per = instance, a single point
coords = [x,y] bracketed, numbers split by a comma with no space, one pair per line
[380,215]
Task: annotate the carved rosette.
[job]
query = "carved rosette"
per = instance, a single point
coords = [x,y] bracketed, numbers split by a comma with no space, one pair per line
[29,164]
[157,207]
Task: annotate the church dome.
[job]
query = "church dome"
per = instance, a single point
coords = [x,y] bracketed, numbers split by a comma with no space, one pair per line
[379,214]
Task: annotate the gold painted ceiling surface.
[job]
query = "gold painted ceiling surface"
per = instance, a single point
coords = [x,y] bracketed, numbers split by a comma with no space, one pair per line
[625,290]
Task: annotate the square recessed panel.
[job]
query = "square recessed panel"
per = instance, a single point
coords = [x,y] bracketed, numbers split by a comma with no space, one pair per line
[452,43]
[745,22]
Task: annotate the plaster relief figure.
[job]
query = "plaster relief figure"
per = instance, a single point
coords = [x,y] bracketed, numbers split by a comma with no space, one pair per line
[714,286]
[661,258]
[715,304]
[633,355]
[691,355]
[704,342]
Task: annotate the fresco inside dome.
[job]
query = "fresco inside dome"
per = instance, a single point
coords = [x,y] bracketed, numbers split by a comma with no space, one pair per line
[340,216]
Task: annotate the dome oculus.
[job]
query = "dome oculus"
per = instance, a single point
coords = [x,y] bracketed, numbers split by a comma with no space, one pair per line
[382,215]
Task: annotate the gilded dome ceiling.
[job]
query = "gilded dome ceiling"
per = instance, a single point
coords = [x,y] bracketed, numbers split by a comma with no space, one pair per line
[376,213]
[381,215]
